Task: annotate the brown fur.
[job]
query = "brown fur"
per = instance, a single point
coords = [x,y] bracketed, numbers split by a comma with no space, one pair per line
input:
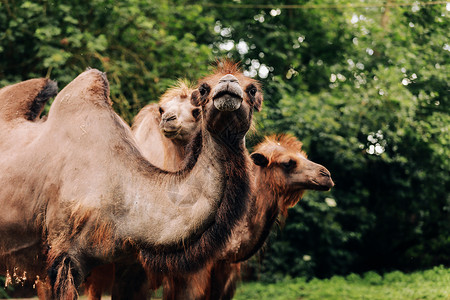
[144,124]
[275,195]
[26,99]
[167,153]
[82,165]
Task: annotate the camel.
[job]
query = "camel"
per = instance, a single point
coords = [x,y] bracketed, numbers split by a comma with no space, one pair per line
[78,192]
[158,145]
[169,125]
[162,130]
[282,175]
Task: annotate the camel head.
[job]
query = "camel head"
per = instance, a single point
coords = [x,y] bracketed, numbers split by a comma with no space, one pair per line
[282,162]
[178,117]
[228,98]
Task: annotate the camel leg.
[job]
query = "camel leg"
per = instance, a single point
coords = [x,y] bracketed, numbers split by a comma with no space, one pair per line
[99,281]
[224,277]
[44,290]
[64,277]
[130,283]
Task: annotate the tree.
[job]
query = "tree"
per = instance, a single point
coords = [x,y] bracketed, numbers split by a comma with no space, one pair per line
[370,101]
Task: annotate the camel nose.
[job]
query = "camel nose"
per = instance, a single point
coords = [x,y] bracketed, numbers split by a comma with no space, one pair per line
[228,78]
[167,117]
[328,181]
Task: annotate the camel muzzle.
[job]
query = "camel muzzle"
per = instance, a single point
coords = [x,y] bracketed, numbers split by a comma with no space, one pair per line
[228,94]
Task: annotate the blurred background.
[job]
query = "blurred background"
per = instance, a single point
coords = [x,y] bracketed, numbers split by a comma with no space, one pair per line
[364,84]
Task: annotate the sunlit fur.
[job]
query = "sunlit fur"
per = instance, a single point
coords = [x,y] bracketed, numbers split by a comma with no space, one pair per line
[278,148]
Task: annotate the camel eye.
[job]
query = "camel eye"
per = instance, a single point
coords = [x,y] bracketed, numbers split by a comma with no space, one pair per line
[204,89]
[196,113]
[289,165]
[251,90]
[161,111]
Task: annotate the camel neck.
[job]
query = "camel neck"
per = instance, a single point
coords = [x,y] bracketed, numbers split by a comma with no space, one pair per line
[183,203]
[255,227]
[174,152]
[229,182]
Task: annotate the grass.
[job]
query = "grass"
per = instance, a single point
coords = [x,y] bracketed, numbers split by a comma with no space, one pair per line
[431,284]
[425,285]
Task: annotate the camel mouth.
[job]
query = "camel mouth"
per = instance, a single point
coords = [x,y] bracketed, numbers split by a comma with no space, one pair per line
[227,101]
[170,134]
[228,95]
[321,186]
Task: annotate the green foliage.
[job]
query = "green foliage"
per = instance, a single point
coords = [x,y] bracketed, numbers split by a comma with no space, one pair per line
[3,292]
[430,284]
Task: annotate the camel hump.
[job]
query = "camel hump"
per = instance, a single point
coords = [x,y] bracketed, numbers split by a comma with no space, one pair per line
[26,99]
[87,91]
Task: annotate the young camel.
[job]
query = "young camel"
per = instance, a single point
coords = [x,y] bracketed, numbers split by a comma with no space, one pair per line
[78,192]
[162,131]
[282,175]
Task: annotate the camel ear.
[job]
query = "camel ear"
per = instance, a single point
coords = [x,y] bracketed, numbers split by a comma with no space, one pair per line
[258,101]
[259,159]
[199,97]
[195,98]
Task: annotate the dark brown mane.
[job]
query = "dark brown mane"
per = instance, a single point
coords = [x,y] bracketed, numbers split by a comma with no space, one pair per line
[229,212]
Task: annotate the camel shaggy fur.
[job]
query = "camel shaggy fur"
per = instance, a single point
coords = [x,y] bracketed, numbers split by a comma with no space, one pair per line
[78,192]
[282,175]
[162,130]
[155,143]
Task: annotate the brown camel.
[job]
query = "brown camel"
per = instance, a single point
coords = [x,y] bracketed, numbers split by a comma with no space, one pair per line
[162,131]
[154,144]
[282,175]
[78,191]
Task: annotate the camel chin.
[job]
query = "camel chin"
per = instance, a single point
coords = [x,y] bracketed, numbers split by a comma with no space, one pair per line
[170,134]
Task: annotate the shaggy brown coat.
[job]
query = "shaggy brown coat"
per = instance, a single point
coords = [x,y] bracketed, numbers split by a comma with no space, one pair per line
[78,191]
[282,175]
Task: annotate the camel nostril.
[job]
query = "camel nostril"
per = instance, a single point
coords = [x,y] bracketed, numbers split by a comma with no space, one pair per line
[325,173]
[169,118]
